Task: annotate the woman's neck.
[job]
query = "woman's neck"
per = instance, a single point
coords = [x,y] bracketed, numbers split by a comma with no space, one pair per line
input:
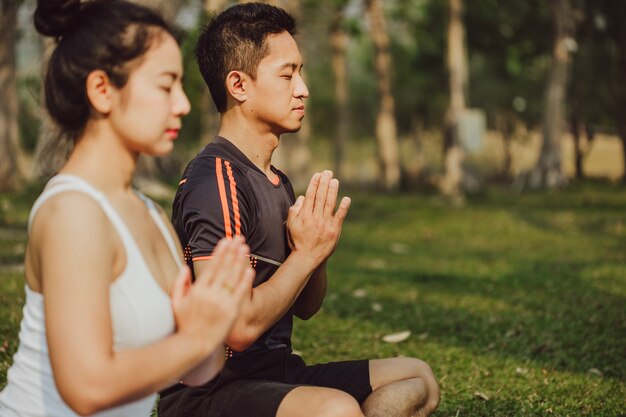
[100,158]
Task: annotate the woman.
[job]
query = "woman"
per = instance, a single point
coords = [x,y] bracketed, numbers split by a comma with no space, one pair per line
[111,316]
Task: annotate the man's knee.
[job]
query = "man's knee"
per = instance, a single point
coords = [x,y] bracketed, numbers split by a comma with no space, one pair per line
[318,402]
[420,369]
[339,404]
[424,371]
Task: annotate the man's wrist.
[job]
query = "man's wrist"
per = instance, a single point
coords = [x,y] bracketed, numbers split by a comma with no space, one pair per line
[306,260]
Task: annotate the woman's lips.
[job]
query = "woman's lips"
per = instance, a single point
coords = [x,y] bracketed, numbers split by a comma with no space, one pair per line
[172,133]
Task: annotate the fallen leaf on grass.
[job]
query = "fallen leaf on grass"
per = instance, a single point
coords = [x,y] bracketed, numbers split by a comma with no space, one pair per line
[397,337]
[398,248]
[377,263]
[481,395]
[359,293]
[595,372]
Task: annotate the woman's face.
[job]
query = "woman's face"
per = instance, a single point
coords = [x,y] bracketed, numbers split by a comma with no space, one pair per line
[146,113]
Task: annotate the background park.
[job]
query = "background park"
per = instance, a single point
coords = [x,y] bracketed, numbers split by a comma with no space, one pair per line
[483,143]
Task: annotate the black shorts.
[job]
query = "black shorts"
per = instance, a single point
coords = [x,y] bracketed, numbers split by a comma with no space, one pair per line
[255,385]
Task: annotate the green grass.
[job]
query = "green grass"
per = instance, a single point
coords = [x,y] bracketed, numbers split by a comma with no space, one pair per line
[518,302]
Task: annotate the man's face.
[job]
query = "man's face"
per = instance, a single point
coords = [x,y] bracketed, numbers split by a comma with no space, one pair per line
[276,96]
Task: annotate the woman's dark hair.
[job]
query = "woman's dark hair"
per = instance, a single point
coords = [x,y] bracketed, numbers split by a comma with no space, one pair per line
[93,35]
[235,40]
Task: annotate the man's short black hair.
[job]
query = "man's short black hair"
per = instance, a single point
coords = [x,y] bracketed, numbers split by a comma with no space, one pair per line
[235,40]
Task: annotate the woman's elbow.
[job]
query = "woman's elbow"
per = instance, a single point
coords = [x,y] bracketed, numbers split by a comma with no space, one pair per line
[241,338]
[86,397]
[83,403]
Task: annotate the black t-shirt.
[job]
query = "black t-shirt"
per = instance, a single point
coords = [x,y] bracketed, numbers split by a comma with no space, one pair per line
[223,194]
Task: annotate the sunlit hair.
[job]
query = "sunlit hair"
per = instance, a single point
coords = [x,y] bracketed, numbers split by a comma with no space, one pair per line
[105,35]
[235,40]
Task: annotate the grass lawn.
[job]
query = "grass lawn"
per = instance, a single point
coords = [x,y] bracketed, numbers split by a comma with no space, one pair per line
[518,302]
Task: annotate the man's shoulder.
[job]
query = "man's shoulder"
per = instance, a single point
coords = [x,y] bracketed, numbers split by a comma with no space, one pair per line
[213,161]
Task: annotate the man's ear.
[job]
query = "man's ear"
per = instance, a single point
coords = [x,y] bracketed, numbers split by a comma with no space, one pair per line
[99,89]
[236,83]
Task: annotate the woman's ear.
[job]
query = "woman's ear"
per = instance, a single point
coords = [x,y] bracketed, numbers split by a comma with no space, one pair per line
[236,83]
[99,89]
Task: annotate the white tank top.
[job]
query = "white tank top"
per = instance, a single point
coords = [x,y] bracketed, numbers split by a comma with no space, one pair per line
[141,314]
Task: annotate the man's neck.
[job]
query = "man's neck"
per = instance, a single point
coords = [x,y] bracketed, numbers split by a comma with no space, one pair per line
[256,145]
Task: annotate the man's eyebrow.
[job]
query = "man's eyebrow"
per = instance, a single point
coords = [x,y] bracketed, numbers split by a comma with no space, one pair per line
[288,65]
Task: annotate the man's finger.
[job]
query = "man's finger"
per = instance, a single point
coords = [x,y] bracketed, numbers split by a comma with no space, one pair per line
[331,197]
[322,192]
[309,196]
[342,211]
[297,206]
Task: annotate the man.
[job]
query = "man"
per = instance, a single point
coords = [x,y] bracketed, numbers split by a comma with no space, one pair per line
[252,66]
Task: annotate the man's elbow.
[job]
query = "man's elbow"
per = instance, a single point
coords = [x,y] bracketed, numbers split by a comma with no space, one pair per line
[304,313]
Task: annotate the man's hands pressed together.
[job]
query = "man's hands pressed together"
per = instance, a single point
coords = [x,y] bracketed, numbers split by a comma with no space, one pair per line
[313,225]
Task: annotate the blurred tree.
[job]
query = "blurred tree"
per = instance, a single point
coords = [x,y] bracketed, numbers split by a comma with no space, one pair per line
[609,17]
[549,169]
[584,97]
[508,51]
[457,69]
[386,128]
[338,37]
[11,154]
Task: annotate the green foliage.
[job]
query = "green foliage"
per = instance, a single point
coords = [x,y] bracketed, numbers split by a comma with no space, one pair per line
[509,44]
[515,298]
[515,301]
[29,90]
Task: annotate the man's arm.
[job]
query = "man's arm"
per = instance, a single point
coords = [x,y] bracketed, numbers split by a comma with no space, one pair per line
[310,300]
[314,229]
[265,304]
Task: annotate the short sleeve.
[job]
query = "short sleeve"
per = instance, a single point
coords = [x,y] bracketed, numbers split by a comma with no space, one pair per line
[212,202]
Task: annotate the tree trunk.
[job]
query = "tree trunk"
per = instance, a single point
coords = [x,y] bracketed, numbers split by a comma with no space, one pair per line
[11,157]
[578,151]
[549,164]
[339,43]
[621,129]
[505,126]
[454,155]
[386,129]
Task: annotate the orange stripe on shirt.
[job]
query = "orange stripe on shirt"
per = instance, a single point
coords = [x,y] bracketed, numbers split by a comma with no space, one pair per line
[233,195]
[202,258]
[223,198]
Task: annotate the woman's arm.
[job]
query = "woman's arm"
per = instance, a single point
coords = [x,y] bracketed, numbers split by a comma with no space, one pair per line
[75,246]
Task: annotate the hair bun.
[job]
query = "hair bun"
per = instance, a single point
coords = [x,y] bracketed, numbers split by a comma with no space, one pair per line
[55,17]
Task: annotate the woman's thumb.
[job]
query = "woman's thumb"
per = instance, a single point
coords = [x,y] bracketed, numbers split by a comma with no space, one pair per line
[181,285]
